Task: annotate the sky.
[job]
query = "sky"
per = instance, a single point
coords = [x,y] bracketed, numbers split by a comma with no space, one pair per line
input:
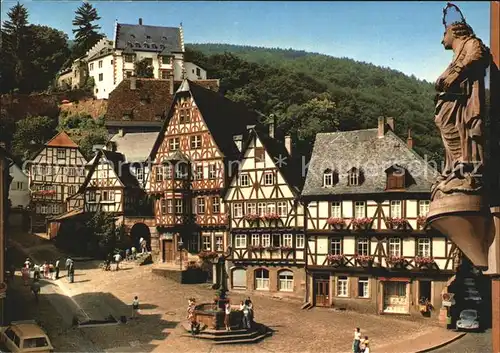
[405,36]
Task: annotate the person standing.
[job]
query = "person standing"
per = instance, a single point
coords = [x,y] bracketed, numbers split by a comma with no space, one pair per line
[118,258]
[191,316]
[357,340]
[36,272]
[35,288]
[249,304]
[58,263]
[246,315]
[227,317]
[71,270]
[68,262]
[135,307]
[365,345]
[134,253]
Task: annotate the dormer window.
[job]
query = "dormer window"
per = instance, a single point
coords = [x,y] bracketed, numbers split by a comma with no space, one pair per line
[145,45]
[354,177]
[162,46]
[126,117]
[396,178]
[164,38]
[148,37]
[137,44]
[330,178]
[154,46]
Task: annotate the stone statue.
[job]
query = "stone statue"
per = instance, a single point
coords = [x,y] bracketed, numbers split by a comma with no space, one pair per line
[460,109]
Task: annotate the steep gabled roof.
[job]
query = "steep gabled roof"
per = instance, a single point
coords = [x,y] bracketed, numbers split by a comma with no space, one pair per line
[61,140]
[120,167]
[148,38]
[223,117]
[363,149]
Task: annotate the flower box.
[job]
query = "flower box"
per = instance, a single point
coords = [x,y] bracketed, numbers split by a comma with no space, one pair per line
[44,192]
[424,262]
[422,222]
[286,248]
[271,217]
[397,223]
[395,261]
[365,260]
[336,223]
[251,217]
[335,259]
[361,223]
[208,255]
[272,248]
[256,247]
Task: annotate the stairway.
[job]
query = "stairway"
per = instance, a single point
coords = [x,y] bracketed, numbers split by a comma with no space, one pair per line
[237,336]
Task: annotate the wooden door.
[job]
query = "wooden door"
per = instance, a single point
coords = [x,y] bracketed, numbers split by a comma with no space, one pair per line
[322,292]
[168,251]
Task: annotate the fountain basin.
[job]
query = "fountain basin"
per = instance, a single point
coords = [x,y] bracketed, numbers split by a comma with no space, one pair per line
[212,316]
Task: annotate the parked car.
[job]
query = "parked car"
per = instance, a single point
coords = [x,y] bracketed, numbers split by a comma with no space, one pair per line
[469,320]
[25,337]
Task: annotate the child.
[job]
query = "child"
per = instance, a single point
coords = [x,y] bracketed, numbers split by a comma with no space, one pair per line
[135,306]
[227,320]
[365,347]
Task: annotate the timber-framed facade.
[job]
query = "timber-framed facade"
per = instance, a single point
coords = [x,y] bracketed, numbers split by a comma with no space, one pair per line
[266,218]
[191,167]
[55,174]
[367,245]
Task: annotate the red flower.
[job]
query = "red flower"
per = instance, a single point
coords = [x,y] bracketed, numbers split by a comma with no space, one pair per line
[396,222]
[421,260]
[361,222]
[251,217]
[333,221]
[271,216]
[335,258]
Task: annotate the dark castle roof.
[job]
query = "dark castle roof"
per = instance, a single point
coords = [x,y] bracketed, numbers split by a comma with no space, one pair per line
[164,40]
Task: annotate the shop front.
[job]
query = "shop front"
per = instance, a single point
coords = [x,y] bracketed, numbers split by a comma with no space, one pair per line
[395,295]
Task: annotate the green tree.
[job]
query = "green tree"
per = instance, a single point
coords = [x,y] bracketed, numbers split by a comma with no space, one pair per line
[86,33]
[102,230]
[31,134]
[143,69]
[7,127]
[15,49]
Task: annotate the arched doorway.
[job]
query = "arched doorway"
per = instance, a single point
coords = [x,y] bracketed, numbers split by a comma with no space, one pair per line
[138,231]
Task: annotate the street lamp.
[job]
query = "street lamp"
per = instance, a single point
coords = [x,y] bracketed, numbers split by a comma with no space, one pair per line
[180,246]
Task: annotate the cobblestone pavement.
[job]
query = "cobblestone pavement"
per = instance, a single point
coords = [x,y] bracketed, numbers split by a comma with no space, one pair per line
[470,343]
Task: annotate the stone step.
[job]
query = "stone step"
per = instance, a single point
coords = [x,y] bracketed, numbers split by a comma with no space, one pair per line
[230,337]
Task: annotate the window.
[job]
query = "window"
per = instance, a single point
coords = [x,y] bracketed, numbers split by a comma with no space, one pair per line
[55,208]
[165,75]
[336,209]
[260,154]
[219,243]
[394,247]
[244,181]
[395,180]
[206,243]
[159,173]
[108,195]
[173,144]
[336,246]
[300,241]
[178,206]
[328,178]
[198,72]
[266,240]
[237,210]
[251,208]
[240,241]
[268,179]
[170,206]
[262,279]
[99,64]
[101,77]
[129,58]
[276,239]
[196,141]
[396,211]
[215,205]
[44,209]
[285,281]
[61,153]
[198,173]
[200,205]
[91,66]
[287,240]
[363,246]
[163,205]
[261,208]
[424,247]
[12,336]
[128,74]
[181,171]
[359,209]
[184,116]
[167,171]
[342,286]
[282,208]
[212,171]
[139,173]
[71,171]
[255,240]
[423,207]
[165,60]
[353,176]
[363,287]
[92,196]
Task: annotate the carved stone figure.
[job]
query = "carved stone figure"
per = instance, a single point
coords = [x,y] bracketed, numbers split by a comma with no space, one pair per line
[460,109]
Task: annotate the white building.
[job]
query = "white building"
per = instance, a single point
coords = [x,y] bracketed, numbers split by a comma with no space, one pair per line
[109,62]
[19,194]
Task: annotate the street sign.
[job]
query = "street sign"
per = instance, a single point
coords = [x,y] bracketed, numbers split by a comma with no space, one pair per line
[448,303]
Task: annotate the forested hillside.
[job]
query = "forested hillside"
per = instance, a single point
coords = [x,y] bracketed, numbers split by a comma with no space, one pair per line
[310,93]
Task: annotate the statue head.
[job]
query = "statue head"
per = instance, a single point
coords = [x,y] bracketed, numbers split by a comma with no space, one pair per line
[456,28]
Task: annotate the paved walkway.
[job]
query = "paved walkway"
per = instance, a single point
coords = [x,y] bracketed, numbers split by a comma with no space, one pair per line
[163,306]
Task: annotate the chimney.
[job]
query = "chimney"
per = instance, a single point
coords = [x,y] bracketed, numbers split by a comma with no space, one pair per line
[121,132]
[381,127]
[390,122]
[409,140]
[271,130]
[172,85]
[140,21]
[133,83]
[250,127]
[288,144]
[238,141]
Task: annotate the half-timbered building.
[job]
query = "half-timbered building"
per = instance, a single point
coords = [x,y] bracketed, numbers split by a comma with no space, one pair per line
[192,162]
[366,196]
[55,174]
[266,218]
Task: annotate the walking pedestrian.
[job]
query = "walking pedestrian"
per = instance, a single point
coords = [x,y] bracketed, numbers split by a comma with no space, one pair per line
[68,263]
[71,271]
[36,272]
[127,254]
[58,262]
[357,340]
[227,319]
[27,263]
[191,316]
[135,307]
[35,288]
[46,270]
[118,258]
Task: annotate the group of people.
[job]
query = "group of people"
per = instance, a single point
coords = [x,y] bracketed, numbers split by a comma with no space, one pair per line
[127,255]
[360,345]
